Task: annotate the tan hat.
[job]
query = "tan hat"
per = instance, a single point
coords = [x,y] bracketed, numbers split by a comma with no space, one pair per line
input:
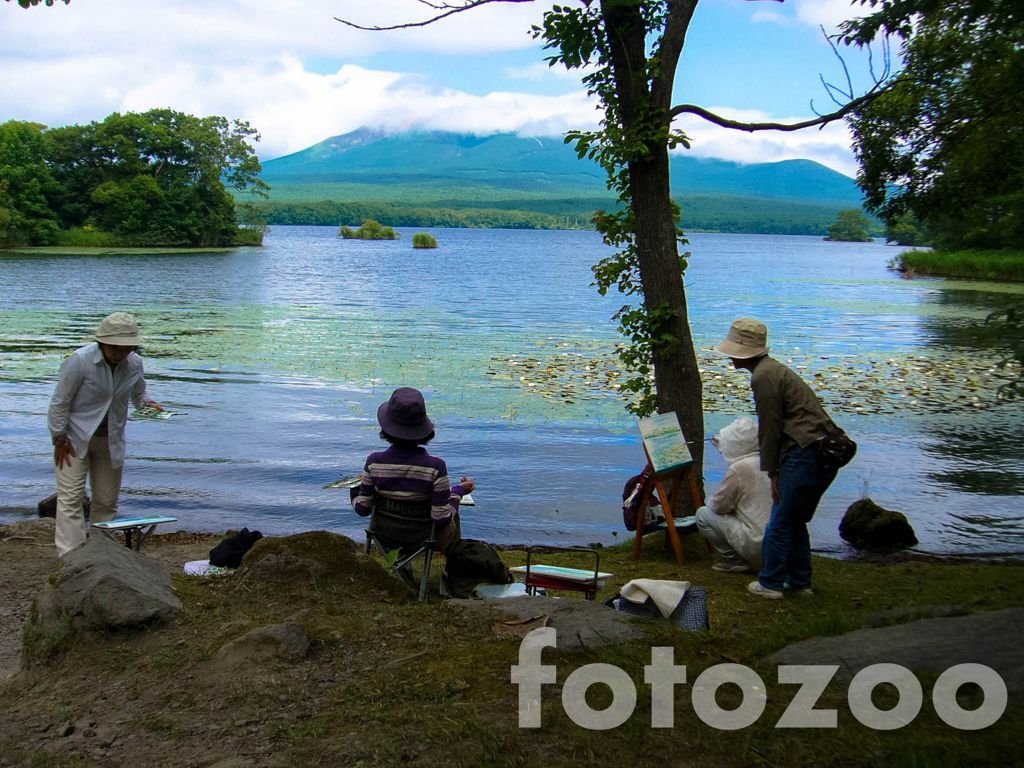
[747,338]
[119,330]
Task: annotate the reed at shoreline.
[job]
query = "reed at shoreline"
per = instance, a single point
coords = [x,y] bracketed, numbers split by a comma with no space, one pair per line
[1007,265]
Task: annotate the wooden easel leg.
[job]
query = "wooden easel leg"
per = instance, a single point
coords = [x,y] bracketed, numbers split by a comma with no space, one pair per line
[666,508]
[638,541]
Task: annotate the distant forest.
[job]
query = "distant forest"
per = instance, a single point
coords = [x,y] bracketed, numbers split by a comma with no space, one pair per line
[437,178]
[699,214]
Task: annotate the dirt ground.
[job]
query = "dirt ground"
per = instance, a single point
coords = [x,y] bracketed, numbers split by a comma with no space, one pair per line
[184,694]
[54,720]
[387,681]
[28,556]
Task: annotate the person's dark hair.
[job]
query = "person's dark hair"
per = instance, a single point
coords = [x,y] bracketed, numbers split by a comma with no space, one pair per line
[399,443]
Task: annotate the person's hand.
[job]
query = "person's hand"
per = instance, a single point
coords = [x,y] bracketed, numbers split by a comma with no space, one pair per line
[63,451]
[468,484]
[152,404]
[775,489]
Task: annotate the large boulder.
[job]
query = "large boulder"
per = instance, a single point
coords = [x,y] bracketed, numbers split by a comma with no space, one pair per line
[99,586]
[580,624]
[991,638]
[869,526]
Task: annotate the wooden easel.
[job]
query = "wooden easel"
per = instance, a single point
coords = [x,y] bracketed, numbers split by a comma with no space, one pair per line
[668,485]
[663,432]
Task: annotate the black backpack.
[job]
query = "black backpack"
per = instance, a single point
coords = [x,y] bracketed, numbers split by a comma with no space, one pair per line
[471,562]
[633,493]
[229,553]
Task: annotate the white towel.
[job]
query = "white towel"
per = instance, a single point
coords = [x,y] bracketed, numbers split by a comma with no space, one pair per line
[665,594]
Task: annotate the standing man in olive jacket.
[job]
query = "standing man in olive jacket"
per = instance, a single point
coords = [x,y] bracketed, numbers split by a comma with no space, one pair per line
[790,420]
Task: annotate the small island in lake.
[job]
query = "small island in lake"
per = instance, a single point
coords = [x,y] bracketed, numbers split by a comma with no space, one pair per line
[370,230]
[424,240]
[851,226]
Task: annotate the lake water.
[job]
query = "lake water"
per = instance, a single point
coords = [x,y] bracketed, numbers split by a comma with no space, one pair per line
[275,360]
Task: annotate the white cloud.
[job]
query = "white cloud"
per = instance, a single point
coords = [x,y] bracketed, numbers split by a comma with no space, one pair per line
[541,72]
[827,13]
[829,146]
[813,13]
[770,17]
[296,75]
[353,97]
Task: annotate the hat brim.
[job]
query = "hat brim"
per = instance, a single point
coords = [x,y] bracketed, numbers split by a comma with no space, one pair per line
[740,351]
[120,341]
[403,431]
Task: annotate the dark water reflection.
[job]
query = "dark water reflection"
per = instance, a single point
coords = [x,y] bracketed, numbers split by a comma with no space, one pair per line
[276,359]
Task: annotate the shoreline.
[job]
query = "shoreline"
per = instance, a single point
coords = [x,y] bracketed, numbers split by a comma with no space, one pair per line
[850,555]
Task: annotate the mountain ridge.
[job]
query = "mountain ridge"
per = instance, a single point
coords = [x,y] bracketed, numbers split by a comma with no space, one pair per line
[505,161]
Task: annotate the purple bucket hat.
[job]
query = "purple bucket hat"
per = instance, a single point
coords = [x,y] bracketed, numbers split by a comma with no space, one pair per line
[404,415]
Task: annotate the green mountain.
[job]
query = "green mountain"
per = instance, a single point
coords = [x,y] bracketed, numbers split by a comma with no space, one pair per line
[542,177]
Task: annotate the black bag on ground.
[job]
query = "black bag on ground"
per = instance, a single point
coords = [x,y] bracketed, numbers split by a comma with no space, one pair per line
[48,506]
[229,553]
[835,450]
[691,613]
[471,562]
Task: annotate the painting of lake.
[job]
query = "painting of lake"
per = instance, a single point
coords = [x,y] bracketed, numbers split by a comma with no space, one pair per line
[275,359]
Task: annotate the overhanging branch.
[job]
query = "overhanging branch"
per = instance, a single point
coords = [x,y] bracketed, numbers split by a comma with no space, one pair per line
[749,127]
[444,10]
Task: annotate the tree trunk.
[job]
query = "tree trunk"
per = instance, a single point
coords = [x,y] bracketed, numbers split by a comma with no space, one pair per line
[676,376]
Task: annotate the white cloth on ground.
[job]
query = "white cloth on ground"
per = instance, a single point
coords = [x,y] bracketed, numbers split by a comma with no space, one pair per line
[665,594]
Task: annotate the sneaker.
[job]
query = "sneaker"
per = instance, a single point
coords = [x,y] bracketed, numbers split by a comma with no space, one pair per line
[756,588]
[731,566]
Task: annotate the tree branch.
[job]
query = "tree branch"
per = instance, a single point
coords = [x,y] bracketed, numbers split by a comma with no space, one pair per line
[820,120]
[444,10]
[671,46]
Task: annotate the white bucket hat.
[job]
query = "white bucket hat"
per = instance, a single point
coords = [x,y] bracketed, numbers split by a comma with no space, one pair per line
[119,330]
[747,338]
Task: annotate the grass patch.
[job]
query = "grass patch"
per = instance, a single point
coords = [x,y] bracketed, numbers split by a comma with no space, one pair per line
[41,642]
[60,250]
[86,237]
[981,265]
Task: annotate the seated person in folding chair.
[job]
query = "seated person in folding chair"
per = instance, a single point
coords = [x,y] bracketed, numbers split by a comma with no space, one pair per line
[735,517]
[408,485]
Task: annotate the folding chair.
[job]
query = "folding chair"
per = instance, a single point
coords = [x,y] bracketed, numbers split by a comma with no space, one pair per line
[408,527]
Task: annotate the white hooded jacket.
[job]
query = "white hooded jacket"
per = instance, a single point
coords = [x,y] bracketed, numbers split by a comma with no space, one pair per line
[744,497]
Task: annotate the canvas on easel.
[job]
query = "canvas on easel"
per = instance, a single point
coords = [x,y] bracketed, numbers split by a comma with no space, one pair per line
[664,442]
[669,459]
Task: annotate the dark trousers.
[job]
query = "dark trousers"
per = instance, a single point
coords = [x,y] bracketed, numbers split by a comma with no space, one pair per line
[786,548]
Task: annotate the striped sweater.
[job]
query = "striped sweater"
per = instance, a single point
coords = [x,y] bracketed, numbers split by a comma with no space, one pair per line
[408,474]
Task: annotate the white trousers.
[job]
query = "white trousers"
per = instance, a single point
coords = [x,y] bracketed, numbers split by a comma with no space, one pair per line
[105,484]
[712,527]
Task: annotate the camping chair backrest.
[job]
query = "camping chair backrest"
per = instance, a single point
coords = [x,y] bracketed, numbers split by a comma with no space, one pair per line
[406,526]
[403,525]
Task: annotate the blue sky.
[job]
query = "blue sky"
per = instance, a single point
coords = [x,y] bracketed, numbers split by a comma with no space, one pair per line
[298,76]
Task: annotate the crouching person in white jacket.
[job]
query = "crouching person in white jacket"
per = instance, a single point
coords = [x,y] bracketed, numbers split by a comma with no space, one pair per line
[735,517]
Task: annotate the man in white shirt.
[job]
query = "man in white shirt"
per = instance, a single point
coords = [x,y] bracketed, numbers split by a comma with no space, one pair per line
[87,417]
